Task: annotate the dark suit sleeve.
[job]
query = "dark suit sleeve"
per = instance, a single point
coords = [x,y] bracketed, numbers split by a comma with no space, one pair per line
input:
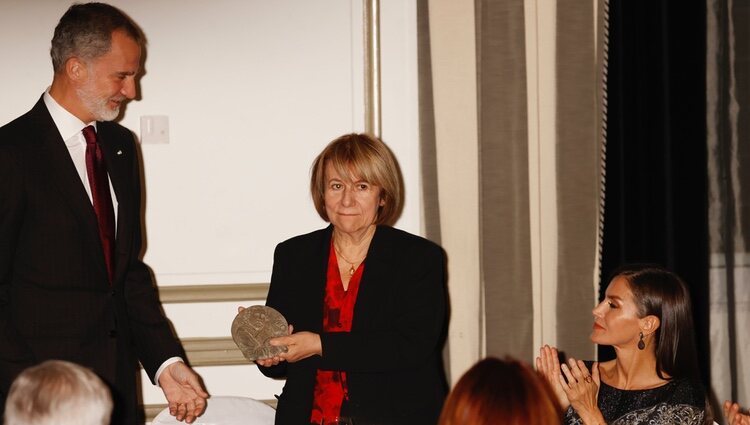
[276,299]
[14,354]
[415,331]
[153,337]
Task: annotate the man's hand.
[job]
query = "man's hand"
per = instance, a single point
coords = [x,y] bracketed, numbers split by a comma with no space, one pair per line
[184,392]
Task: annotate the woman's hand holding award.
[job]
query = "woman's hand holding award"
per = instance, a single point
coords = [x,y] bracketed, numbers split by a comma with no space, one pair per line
[254,327]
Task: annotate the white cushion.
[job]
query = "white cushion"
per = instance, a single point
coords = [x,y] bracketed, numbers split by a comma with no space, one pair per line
[226,410]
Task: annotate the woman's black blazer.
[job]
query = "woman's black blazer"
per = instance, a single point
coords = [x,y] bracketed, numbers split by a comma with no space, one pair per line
[392,356]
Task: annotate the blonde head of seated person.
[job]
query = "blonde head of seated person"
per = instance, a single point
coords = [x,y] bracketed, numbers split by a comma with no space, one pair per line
[501,392]
[57,392]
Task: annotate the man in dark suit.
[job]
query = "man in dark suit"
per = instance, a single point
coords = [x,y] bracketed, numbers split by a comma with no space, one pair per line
[72,285]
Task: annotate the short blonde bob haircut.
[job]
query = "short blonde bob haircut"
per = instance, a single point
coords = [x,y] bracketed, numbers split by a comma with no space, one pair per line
[360,157]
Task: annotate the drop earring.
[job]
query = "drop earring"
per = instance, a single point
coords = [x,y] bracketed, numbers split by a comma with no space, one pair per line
[641,344]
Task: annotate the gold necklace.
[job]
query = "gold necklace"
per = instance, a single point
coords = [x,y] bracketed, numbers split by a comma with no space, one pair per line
[367,239]
[351,263]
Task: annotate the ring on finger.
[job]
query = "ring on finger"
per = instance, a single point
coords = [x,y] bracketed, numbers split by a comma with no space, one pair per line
[587,379]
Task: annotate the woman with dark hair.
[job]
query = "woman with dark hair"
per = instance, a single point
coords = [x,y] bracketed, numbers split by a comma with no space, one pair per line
[646,316]
[367,302]
[501,392]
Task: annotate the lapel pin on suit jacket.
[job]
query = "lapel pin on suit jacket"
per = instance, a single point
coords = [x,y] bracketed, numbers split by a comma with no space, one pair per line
[119,152]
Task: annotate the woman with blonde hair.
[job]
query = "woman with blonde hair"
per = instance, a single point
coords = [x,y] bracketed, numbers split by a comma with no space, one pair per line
[366,301]
[501,392]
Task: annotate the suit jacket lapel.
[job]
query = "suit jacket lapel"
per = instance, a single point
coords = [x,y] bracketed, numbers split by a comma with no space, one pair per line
[320,260]
[116,159]
[117,156]
[56,159]
[378,268]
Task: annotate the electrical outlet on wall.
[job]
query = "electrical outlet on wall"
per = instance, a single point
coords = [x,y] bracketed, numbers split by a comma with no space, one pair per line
[155,129]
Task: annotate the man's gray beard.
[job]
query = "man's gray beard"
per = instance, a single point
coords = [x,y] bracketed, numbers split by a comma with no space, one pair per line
[95,105]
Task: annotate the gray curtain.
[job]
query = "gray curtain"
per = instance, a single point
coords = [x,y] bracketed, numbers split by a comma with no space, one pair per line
[728,124]
[579,166]
[512,317]
[427,125]
[504,177]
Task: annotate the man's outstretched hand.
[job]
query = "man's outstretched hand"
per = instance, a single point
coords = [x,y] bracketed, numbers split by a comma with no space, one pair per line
[184,392]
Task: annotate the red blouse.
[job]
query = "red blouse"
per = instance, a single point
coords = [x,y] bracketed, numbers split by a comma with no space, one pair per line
[338,311]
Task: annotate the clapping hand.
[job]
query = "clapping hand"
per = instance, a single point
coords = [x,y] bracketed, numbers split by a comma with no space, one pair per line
[548,364]
[582,389]
[579,388]
[733,415]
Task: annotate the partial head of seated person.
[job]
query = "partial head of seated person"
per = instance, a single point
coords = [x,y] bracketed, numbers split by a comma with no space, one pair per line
[57,392]
[501,392]
[646,316]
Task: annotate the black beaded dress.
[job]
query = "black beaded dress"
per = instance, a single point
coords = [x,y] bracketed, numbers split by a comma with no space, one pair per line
[680,401]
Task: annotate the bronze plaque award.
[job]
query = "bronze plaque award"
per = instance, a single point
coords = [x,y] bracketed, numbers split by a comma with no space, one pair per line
[254,327]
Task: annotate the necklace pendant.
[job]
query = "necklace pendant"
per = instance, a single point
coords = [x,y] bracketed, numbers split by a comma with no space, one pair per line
[351,270]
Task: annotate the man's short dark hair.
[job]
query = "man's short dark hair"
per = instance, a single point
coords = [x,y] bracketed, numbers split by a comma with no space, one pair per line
[85,31]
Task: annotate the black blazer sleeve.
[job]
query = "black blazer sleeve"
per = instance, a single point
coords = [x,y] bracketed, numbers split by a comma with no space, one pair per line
[277,299]
[400,313]
[392,355]
[152,336]
[15,355]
